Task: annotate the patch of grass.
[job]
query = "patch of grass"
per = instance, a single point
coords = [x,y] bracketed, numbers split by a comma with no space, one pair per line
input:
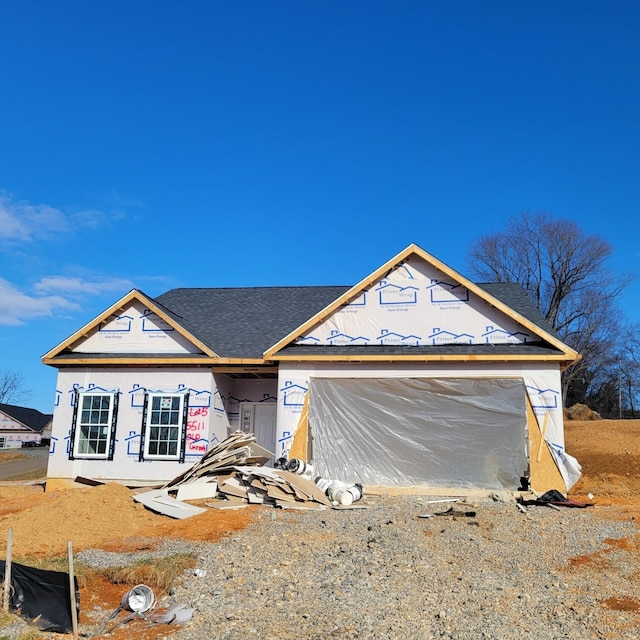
[27,633]
[6,456]
[5,619]
[30,634]
[55,563]
[159,574]
[37,474]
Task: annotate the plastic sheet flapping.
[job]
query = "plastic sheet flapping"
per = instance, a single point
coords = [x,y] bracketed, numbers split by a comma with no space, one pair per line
[41,597]
[569,467]
[462,432]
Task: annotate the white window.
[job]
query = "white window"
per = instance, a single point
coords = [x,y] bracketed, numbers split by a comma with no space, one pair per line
[163,431]
[94,426]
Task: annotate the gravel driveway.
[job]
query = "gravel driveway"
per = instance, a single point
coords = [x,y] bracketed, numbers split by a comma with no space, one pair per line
[386,571]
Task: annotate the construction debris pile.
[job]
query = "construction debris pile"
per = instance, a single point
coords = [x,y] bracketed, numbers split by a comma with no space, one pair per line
[232,475]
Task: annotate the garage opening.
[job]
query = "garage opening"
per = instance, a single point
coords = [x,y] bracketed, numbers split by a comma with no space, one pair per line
[462,432]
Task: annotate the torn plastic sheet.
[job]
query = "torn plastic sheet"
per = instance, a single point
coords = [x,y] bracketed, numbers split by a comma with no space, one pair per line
[462,432]
[569,467]
[41,597]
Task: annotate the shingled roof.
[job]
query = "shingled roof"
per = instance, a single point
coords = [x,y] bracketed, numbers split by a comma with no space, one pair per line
[31,418]
[245,322]
[513,295]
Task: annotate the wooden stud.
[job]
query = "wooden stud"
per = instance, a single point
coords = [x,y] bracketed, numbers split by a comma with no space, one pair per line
[7,572]
[72,590]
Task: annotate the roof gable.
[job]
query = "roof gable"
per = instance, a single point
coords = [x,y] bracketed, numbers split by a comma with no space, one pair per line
[415,299]
[254,325]
[136,324]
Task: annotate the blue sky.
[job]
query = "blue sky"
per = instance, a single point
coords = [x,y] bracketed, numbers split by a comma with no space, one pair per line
[154,144]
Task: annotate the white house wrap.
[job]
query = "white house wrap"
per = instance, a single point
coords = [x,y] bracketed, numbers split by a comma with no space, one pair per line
[414,377]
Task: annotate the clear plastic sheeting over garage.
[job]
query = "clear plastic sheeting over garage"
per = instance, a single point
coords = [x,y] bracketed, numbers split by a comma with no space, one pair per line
[463,432]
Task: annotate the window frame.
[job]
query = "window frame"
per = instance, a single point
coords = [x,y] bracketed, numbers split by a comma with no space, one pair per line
[148,412]
[109,425]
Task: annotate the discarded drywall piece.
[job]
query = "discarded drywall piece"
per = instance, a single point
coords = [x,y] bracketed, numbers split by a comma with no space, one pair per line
[260,472]
[280,495]
[159,501]
[197,490]
[259,455]
[234,486]
[256,496]
[307,486]
[229,503]
[237,449]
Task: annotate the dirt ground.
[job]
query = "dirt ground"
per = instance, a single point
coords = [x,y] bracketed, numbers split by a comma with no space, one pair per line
[106,517]
[609,452]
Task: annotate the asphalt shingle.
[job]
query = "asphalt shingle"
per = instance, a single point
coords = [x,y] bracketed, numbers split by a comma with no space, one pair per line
[245,322]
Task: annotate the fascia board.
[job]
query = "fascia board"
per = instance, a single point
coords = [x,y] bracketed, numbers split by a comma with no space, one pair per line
[86,359]
[134,294]
[423,358]
[414,249]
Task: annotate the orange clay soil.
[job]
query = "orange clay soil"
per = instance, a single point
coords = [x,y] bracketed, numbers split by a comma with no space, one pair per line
[102,517]
[106,517]
[609,452]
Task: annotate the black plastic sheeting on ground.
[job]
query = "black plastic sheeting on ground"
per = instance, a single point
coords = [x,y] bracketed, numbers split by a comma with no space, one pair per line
[41,597]
[555,498]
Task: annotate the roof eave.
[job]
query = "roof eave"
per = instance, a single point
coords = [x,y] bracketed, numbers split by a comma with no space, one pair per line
[67,359]
[424,358]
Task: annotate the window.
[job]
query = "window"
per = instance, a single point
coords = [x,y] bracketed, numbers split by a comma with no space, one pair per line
[94,423]
[163,429]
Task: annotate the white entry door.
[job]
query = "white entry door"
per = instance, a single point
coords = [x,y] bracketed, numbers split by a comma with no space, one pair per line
[259,418]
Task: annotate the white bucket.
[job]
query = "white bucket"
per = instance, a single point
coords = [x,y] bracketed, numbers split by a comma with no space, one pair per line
[323,483]
[340,495]
[139,599]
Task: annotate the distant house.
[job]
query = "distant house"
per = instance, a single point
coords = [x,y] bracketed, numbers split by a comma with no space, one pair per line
[150,384]
[21,424]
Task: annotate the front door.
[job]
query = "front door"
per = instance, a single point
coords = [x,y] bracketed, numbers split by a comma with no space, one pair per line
[259,418]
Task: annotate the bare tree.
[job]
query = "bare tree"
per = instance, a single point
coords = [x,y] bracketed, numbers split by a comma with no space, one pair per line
[629,372]
[566,275]
[12,387]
